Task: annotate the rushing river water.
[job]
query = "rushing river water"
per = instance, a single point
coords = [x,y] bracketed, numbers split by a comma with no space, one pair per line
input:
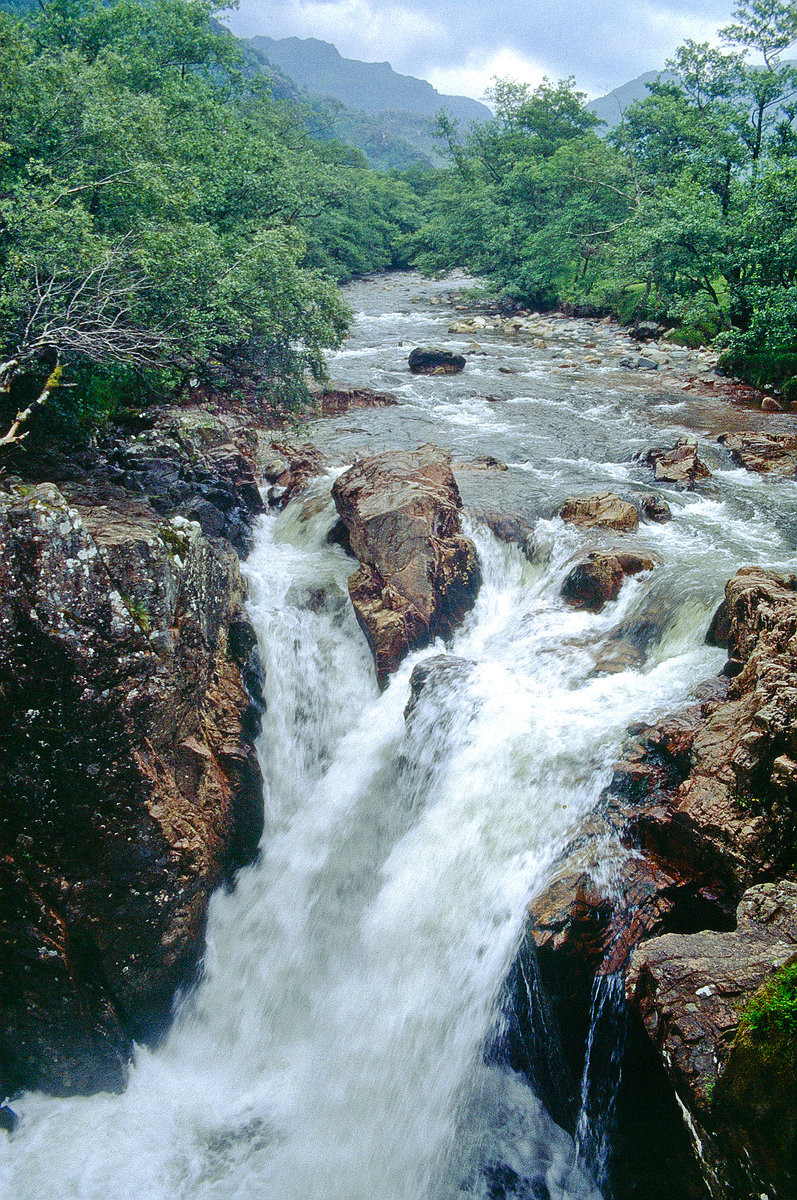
[334,1049]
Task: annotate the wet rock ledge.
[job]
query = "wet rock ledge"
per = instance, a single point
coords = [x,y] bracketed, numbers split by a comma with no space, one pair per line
[129,705]
[684,886]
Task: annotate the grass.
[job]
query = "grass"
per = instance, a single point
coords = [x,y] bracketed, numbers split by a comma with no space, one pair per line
[773,1009]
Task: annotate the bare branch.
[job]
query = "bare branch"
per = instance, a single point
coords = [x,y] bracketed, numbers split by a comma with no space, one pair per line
[13,435]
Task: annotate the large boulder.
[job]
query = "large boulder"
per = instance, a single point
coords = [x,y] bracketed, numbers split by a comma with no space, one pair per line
[598,579]
[767,453]
[678,465]
[418,575]
[130,785]
[431,360]
[601,511]
[691,991]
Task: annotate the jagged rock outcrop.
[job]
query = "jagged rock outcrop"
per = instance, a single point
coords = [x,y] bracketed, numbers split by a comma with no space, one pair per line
[130,786]
[705,804]
[767,453]
[431,360]
[678,465]
[418,575]
[598,579]
[735,813]
[691,991]
[184,461]
[290,469]
[601,511]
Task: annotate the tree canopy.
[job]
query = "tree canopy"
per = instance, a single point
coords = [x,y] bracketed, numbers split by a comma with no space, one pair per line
[685,213]
[161,216]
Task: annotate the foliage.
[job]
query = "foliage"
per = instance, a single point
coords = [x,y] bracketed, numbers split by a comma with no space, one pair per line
[774,1007]
[686,213]
[162,214]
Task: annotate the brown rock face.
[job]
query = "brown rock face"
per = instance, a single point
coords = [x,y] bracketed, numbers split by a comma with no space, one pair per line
[679,465]
[418,575]
[598,579]
[768,453]
[732,819]
[691,988]
[690,991]
[602,511]
[706,801]
[130,786]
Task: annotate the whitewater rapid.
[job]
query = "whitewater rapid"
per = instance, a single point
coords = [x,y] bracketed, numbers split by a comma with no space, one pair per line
[334,1048]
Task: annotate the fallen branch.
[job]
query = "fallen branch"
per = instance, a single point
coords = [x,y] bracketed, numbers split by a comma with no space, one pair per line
[13,435]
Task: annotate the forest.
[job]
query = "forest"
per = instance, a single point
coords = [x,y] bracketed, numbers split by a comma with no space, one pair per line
[163,217]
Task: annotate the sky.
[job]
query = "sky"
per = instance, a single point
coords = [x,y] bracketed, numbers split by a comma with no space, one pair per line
[460,45]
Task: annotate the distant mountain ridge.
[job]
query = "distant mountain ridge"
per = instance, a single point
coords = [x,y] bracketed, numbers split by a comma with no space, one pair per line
[610,108]
[365,86]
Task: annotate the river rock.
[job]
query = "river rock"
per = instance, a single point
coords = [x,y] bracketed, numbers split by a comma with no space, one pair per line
[334,399]
[130,786]
[678,465]
[431,360]
[767,453]
[646,331]
[653,507]
[512,529]
[599,577]
[740,1089]
[304,462]
[602,511]
[418,575]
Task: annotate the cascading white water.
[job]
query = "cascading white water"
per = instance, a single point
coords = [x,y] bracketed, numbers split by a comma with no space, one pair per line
[334,1048]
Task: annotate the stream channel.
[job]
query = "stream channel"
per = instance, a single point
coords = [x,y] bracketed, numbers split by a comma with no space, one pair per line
[335,1046]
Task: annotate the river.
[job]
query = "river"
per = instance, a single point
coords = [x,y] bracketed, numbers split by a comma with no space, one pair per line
[334,1049]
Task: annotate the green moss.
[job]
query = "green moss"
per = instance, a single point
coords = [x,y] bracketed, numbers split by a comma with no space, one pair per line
[773,1009]
[138,612]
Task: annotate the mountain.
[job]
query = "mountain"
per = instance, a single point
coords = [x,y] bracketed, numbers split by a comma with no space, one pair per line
[610,108]
[368,87]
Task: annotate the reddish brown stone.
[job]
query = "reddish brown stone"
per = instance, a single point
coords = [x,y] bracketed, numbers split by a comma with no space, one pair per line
[419,575]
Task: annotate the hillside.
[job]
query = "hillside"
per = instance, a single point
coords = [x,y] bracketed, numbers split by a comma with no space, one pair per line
[611,107]
[369,87]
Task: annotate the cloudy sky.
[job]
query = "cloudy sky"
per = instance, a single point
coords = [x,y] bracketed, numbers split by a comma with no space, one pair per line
[459,45]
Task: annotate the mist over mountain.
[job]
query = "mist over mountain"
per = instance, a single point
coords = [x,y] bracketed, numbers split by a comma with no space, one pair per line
[366,86]
[610,108]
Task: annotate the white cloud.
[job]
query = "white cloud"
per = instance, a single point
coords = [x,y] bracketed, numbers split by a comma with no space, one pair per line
[458,45]
[476,74]
[358,28]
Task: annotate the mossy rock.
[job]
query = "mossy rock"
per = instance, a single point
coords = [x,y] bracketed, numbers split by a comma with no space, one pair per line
[754,1100]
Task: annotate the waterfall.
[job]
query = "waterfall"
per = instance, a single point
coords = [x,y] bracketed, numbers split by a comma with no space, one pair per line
[337,1045]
